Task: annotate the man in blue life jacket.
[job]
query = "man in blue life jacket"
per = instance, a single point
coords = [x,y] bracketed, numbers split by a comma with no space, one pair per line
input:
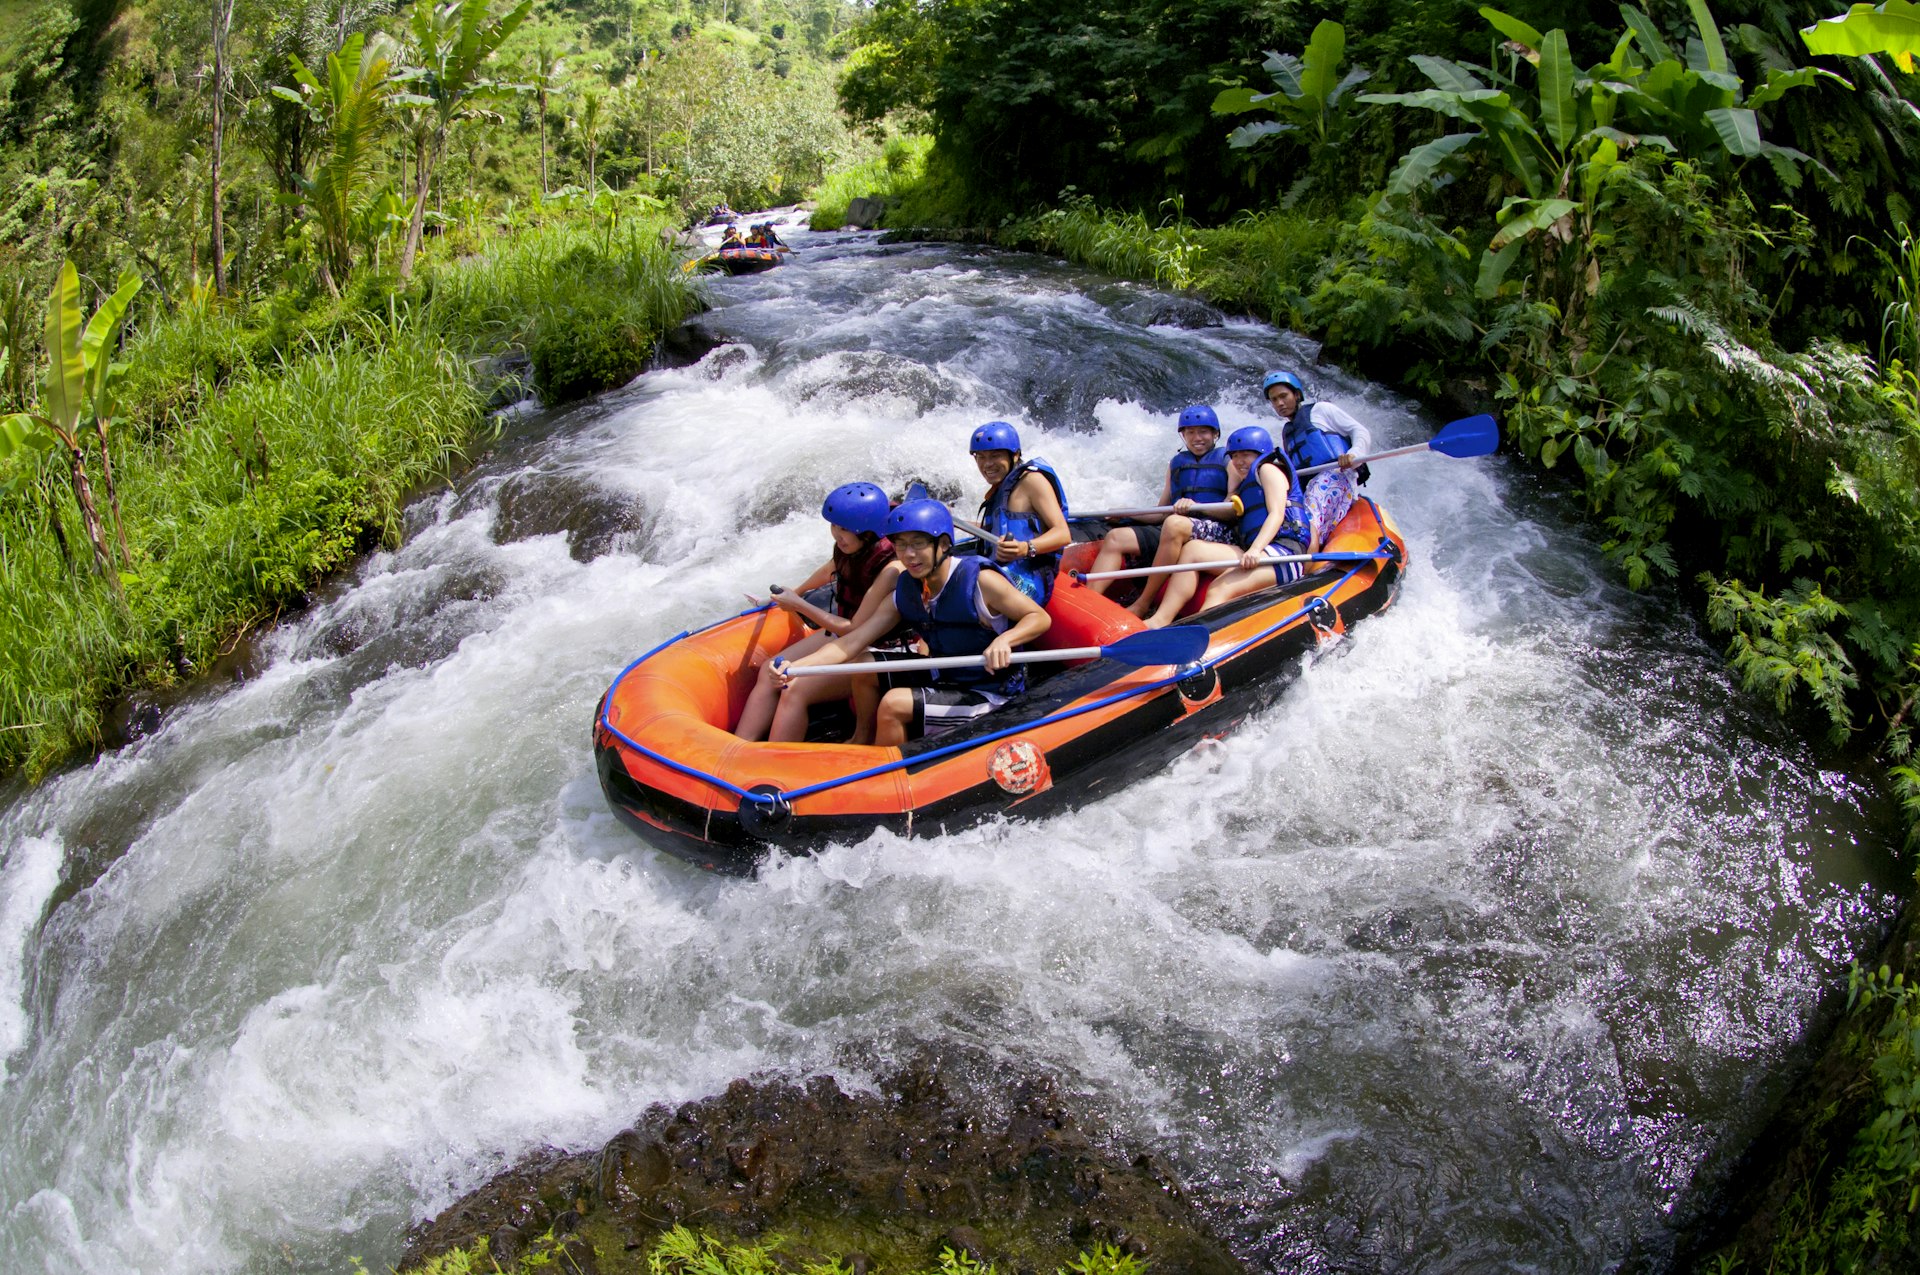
[1319,433]
[1197,474]
[1026,507]
[959,606]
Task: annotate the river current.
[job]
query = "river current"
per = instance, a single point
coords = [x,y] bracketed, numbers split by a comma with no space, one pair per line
[1470,954]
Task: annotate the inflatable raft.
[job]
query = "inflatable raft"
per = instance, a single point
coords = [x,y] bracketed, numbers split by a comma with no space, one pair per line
[674,775]
[746,260]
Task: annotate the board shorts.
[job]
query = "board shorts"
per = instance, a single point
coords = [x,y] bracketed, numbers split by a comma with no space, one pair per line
[1148,537]
[1328,497]
[1288,572]
[940,706]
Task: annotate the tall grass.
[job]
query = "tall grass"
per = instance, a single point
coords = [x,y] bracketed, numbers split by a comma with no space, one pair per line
[900,166]
[258,451]
[586,302]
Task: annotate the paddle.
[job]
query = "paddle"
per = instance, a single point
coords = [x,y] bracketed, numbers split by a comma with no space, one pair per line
[1221,564]
[806,610]
[1469,436]
[1182,644]
[1223,509]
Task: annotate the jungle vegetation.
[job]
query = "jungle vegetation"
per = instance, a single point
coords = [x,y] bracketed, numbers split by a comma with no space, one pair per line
[264,266]
[1669,245]
[260,264]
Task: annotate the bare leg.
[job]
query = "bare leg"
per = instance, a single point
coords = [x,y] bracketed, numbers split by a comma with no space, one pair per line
[757,715]
[790,718]
[1113,551]
[1182,586]
[895,718]
[1175,534]
[1238,583]
[866,704]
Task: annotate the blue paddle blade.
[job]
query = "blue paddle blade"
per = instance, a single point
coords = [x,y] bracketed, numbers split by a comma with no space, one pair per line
[1182,644]
[1472,436]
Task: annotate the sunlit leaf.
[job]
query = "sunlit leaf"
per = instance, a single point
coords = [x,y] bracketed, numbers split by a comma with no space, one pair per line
[67,373]
[1558,110]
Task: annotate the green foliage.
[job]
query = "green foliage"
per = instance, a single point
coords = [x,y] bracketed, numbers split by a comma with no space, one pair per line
[267,447]
[1307,94]
[451,46]
[1782,646]
[1123,244]
[900,166]
[684,1251]
[349,108]
[1892,27]
[1114,98]
[1561,150]
[1865,1220]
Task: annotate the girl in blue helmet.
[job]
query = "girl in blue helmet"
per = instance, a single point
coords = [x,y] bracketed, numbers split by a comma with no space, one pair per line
[852,585]
[1315,434]
[958,606]
[1274,517]
[1026,507]
[1197,474]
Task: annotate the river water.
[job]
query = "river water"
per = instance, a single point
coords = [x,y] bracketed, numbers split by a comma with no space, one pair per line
[1468,955]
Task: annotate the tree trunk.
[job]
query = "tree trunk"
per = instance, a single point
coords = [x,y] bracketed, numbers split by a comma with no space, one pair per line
[422,172]
[113,495]
[543,143]
[222,24]
[83,490]
[53,520]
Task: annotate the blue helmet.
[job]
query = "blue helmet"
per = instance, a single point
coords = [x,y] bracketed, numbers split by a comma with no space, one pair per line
[1199,415]
[995,436]
[1250,438]
[1272,379]
[857,507]
[928,517]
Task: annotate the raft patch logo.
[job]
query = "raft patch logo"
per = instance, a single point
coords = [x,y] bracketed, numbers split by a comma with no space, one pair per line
[1019,767]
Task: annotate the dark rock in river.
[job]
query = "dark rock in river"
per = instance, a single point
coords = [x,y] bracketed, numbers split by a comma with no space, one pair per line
[883,1181]
[1158,310]
[537,504]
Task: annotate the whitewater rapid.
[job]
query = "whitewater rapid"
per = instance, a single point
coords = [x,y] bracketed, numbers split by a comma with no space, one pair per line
[1470,953]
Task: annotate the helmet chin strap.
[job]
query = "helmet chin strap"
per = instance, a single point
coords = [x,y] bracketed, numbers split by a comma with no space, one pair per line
[926,585]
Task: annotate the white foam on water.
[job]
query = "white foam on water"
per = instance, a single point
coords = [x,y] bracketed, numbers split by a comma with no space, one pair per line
[28,877]
[360,930]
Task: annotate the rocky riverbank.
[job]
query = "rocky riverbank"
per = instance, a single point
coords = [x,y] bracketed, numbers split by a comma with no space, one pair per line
[984,1160]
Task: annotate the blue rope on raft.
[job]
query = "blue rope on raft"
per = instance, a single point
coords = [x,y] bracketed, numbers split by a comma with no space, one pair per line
[827,785]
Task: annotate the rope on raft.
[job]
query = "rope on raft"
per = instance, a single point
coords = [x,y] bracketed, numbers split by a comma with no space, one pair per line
[789,796]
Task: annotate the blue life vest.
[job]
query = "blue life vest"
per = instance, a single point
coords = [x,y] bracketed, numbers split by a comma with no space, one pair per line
[958,623]
[1294,526]
[1198,478]
[1307,446]
[1032,576]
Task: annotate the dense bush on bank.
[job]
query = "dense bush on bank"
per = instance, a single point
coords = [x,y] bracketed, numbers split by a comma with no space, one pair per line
[683,1251]
[257,449]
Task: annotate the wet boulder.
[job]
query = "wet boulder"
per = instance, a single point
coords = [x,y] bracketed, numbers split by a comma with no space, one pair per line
[954,1153]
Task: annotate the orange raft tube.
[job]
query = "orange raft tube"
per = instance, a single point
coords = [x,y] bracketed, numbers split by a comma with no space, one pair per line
[745,259]
[674,775]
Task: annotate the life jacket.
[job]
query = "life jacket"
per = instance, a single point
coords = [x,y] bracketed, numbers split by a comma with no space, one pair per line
[958,622]
[1294,525]
[1307,446]
[854,573]
[1032,576]
[1198,478]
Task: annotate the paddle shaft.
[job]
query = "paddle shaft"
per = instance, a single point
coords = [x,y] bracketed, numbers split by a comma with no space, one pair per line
[943,661]
[1216,509]
[1221,564]
[1366,460]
